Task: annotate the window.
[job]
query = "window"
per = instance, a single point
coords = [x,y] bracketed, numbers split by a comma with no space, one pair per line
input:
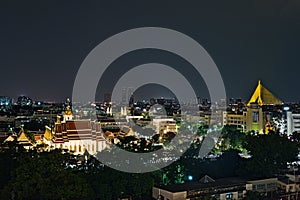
[229,195]
[261,186]
[255,116]
[271,185]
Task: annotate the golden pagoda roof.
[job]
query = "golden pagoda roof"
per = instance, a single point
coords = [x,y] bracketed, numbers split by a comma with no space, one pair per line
[48,134]
[263,96]
[22,136]
[23,139]
[9,139]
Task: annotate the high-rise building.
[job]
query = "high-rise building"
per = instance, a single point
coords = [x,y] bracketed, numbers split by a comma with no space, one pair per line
[24,101]
[124,92]
[126,95]
[5,101]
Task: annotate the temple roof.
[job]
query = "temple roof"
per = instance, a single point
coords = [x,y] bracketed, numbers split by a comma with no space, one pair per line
[9,139]
[23,139]
[22,136]
[206,179]
[263,96]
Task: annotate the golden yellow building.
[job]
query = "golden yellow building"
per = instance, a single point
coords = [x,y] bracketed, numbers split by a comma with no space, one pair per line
[253,118]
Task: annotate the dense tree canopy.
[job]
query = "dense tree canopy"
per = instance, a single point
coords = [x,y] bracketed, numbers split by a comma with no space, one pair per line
[270,153]
[62,175]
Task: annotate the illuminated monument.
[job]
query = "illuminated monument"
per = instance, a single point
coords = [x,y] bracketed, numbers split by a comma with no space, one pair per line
[253,118]
[263,96]
[257,120]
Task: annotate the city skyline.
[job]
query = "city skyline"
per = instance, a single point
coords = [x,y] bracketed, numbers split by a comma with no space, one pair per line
[143,93]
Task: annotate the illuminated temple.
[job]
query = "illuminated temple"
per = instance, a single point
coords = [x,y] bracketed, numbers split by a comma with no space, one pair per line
[78,136]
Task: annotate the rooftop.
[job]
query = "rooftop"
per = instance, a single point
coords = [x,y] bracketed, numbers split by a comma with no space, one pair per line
[218,183]
[263,96]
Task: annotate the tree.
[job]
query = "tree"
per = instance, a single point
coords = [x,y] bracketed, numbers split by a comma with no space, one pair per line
[202,130]
[8,161]
[295,137]
[173,174]
[270,153]
[46,175]
[232,138]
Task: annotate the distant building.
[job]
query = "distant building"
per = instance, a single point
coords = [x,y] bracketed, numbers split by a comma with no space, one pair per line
[293,122]
[164,125]
[107,97]
[21,139]
[238,120]
[5,105]
[24,101]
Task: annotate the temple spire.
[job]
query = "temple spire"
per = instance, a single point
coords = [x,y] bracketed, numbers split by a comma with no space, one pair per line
[263,96]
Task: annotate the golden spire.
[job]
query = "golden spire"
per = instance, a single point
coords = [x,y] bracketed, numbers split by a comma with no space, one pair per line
[68,111]
[57,119]
[48,134]
[262,96]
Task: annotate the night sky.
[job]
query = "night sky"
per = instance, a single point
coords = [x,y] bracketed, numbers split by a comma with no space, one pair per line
[43,43]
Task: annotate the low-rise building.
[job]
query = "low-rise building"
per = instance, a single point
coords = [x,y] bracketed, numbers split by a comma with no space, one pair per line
[225,188]
[264,186]
[220,189]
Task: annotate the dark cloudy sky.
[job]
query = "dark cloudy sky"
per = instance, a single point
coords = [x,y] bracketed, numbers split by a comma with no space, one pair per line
[43,43]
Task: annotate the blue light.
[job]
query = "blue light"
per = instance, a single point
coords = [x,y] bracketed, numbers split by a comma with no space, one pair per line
[286,108]
[190,178]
